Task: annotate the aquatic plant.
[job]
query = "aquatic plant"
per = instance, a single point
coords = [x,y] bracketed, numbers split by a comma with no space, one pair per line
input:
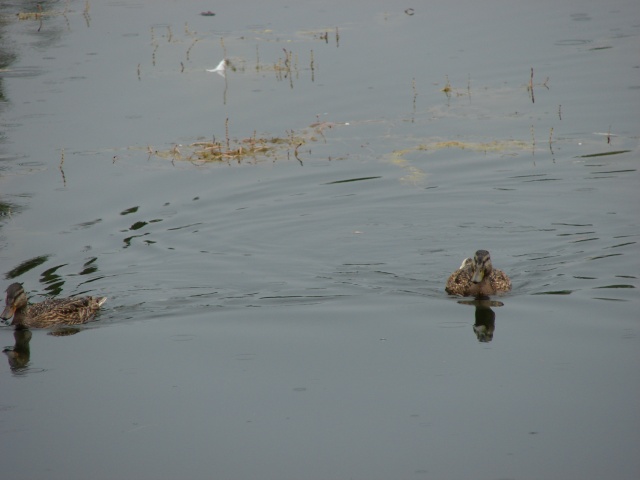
[255,147]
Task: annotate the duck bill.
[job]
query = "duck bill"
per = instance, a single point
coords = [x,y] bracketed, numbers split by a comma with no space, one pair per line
[478,276]
[8,312]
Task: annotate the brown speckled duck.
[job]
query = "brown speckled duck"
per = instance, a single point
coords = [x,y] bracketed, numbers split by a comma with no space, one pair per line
[477,277]
[50,313]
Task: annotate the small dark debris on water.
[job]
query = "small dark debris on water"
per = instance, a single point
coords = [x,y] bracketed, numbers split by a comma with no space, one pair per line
[410,11]
[208,13]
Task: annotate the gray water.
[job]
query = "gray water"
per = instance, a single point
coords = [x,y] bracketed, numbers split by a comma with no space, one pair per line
[282,315]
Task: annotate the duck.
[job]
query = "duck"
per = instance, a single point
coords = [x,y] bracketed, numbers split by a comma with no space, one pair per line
[476,276]
[50,313]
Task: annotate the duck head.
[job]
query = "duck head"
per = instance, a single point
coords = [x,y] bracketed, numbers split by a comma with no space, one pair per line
[481,266]
[16,299]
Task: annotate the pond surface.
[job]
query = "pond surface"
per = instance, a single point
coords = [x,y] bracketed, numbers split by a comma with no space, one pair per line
[277,310]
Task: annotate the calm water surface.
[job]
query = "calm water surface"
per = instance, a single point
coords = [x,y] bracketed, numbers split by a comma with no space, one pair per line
[282,315]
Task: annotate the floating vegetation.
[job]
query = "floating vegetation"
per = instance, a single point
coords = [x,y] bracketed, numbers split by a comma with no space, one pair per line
[448,90]
[61,168]
[495,146]
[38,15]
[416,175]
[288,67]
[253,148]
[41,13]
[531,85]
[323,34]
[447,87]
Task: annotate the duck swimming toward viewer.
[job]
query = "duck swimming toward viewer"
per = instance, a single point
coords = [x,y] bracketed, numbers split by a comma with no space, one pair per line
[477,277]
[50,313]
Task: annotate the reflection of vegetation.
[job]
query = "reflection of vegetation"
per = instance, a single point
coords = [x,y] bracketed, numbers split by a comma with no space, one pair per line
[555,292]
[26,266]
[53,280]
[89,266]
[6,209]
[349,180]
[129,210]
[6,59]
[618,152]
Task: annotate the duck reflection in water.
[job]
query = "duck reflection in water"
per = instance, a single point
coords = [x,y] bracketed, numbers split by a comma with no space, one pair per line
[485,321]
[485,317]
[20,354]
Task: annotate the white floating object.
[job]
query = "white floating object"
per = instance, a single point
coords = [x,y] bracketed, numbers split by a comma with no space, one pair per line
[220,69]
